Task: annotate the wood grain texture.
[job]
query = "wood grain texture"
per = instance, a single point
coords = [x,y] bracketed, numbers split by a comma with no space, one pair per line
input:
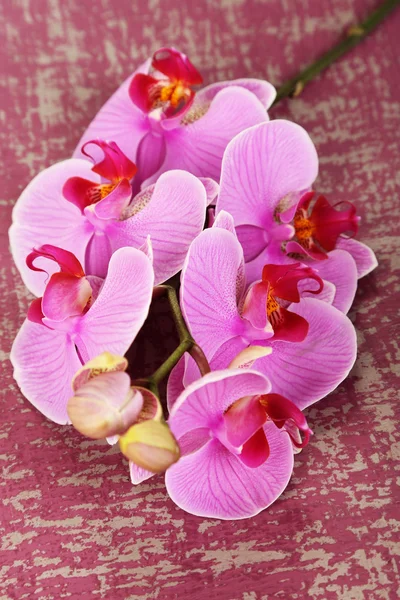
[72,526]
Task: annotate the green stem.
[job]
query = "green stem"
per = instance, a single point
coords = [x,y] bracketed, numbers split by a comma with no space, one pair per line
[171,361]
[294,86]
[186,342]
[183,332]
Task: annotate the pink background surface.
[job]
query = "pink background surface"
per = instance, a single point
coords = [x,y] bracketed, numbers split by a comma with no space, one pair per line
[72,526]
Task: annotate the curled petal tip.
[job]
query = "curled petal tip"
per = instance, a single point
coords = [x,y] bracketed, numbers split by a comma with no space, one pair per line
[176,66]
[67,261]
[150,445]
[114,164]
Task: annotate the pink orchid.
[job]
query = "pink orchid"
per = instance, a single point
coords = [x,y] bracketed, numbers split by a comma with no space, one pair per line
[236,458]
[313,344]
[78,317]
[161,123]
[88,209]
[267,173]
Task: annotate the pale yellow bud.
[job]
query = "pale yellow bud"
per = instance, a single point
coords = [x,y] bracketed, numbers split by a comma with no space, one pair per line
[150,445]
[103,363]
[105,405]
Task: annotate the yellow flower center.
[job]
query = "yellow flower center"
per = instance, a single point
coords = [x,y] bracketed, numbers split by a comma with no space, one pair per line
[303,227]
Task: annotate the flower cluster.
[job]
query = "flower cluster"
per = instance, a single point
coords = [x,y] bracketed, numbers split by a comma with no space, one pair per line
[264,287]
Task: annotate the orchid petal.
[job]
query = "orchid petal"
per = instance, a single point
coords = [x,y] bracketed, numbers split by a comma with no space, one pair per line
[177,205]
[340,268]
[175,384]
[198,146]
[212,189]
[41,214]
[225,221]
[147,249]
[150,156]
[176,66]
[255,451]
[208,299]
[248,356]
[327,294]
[243,419]
[281,410]
[35,313]
[263,165]
[308,371]
[66,261]
[119,120]
[329,223]
[264,90]
[140,91]
[81,192]
[193,440]
[114,165]
[253,240]
[138,475]
[115,202]
[215,483]
[203,402]
[121,308]
[284,280]
[272,254]
[364,256]
[45,362]
[98,254]
[255,306]
[65,296]
[313,251]
[288,326]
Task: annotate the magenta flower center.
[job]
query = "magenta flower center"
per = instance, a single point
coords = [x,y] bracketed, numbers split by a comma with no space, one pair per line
[169,86]
[317,229]
[266,301]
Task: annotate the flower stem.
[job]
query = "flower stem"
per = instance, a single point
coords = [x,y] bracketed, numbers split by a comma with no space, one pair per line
[186,342]
[171,361]
[294,86]
[183,331]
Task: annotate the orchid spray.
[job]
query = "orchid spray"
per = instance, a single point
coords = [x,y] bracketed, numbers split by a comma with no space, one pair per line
[194,194]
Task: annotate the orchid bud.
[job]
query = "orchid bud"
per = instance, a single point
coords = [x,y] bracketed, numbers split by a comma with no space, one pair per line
[105,405]
[150,445]
[103,363]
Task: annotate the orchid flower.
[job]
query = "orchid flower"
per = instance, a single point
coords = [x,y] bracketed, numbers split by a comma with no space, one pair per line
[267,174]
[161,123]
[88,209]
[235,457]
[78,317]
[313,344]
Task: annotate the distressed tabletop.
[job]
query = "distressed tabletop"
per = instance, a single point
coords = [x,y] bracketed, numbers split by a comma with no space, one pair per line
[72,525]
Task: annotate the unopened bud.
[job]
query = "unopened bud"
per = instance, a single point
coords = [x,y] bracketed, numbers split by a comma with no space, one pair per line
[150,445]
[103,363]
[105,405]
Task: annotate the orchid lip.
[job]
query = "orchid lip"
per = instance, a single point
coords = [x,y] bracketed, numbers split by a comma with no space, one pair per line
[221,435]
[167,88]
